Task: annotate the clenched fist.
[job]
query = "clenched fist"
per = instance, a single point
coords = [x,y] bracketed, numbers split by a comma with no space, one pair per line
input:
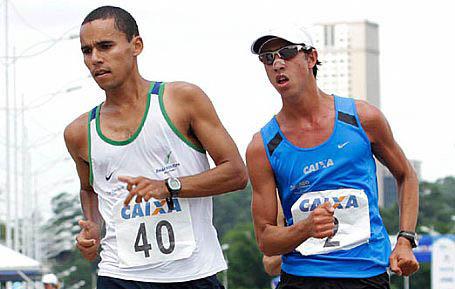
[320,223]
[402,259]
[88,240]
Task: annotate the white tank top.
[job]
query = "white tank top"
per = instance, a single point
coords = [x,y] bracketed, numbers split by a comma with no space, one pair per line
[149,242]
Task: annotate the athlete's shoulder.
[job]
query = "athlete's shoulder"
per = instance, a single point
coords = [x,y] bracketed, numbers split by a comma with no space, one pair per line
[256,147]
[371,118]
[190,99]
[367,112]
[258,164]
[185,91]
[75,133]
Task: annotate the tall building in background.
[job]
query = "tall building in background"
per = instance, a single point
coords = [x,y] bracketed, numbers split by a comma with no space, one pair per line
[349,52]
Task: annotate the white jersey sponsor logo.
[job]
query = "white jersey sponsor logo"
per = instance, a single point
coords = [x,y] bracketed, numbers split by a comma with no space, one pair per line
[150,232]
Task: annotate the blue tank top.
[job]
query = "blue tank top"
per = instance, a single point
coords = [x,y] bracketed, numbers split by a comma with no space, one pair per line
[344,160]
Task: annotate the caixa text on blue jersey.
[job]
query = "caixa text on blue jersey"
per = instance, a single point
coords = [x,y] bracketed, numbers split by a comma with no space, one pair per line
[145,209]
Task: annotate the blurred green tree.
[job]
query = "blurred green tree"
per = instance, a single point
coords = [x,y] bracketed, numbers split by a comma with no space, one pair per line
[244,259]
[436,212]
[59,234]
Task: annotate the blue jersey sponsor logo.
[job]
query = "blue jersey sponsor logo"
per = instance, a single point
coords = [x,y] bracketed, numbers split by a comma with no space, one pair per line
[300,187]
[319,165]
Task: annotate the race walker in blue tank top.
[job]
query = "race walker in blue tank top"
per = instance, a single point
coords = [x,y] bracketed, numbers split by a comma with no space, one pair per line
[341,170]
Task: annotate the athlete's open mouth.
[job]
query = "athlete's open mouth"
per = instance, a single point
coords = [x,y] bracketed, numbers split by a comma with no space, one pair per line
[281,79]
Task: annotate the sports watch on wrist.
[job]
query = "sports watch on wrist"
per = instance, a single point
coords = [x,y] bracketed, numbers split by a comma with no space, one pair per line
[410,236]
[173,186]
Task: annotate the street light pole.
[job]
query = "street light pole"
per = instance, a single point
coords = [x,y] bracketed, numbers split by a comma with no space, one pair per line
[7,130]
[17,227]
[28,232]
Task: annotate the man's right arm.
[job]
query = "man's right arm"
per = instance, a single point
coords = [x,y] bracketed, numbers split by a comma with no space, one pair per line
[77,144]
[273,239]
[76,140]
[272,264]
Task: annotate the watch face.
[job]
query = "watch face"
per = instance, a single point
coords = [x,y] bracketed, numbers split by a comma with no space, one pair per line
[174,184]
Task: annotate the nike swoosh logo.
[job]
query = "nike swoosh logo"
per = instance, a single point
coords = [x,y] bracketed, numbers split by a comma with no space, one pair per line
[109,177]
[340,146]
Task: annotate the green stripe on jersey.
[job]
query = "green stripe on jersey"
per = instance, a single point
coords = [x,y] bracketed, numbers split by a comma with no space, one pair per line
[173,127]
[134,136]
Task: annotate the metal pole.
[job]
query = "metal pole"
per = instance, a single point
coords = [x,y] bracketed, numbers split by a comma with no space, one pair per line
[7,130]
[28,188]
[17,226]
[26,206]
[224,248]
[36,221]
[93,277]
[225,279]
[406,282]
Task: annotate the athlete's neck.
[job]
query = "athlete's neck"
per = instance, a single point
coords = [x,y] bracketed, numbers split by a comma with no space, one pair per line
[307,105]
[129,92]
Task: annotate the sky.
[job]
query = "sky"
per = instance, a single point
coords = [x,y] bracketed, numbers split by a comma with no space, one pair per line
[207,43]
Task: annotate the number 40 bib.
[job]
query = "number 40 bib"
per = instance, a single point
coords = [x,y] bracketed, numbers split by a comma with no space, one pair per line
[149,232]
[351,218]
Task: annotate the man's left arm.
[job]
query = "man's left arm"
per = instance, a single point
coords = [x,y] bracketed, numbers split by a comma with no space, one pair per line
[228,175]
[230,171]
[389,153]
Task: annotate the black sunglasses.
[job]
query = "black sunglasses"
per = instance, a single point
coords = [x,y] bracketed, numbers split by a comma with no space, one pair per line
[284,53]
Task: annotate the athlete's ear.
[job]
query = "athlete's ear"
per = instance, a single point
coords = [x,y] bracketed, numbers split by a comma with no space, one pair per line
[138,45]
[312,58]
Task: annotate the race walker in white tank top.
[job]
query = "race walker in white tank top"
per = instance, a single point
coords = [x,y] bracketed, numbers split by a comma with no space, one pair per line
[148,241]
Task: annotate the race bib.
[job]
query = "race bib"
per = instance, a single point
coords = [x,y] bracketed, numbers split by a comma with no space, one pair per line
[149,232]
[352,219]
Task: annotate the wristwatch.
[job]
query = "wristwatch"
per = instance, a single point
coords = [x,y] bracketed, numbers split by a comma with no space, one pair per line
[410,236]
[173,186]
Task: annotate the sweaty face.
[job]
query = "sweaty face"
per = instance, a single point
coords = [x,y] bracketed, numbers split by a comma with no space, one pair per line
[287,76]
[107,53]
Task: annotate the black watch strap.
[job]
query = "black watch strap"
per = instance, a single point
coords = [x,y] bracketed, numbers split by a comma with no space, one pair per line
[410,236]
[169,200]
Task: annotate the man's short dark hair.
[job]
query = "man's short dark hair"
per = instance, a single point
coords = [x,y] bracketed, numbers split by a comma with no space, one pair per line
[315,68]
[123,20]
